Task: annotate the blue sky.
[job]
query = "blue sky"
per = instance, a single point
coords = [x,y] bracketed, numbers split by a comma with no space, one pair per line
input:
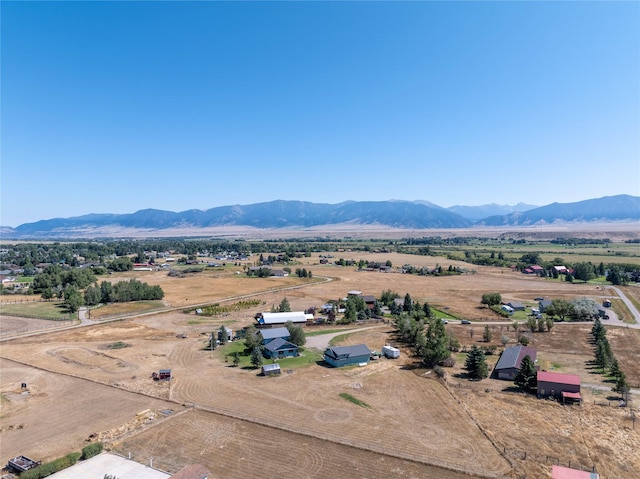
[118,106]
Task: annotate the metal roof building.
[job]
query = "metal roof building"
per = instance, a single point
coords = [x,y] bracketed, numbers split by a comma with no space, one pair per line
[511,359]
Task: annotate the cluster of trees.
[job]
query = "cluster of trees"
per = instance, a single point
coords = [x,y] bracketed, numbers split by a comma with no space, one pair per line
[283,307]
[605,358]
[260,273]
[121,292]
[426,334]
[303,273]
[55,279]
[580,309]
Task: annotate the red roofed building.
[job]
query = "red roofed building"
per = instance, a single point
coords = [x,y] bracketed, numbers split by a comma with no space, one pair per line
[559,472]
[559,386]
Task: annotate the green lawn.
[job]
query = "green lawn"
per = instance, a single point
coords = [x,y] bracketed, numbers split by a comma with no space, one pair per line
[39,309]
[307,356]
[437,313]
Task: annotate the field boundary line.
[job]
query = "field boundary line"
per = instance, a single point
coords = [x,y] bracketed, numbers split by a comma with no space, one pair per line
[280,427]
[477,423]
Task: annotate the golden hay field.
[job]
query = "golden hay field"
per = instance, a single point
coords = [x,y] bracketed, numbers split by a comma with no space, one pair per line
[237,421]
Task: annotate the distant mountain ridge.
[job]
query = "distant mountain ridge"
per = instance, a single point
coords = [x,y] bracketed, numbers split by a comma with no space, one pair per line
[476,213]
[301,214]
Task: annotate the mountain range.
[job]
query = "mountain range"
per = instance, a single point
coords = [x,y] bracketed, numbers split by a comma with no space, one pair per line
[301,214]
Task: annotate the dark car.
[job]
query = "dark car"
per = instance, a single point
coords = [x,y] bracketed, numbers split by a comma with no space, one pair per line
[465,321]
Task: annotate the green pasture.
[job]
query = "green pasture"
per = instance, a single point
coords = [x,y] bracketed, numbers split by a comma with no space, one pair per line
[54,310]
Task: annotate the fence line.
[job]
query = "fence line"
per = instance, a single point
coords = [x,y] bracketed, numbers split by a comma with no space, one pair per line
[282,427]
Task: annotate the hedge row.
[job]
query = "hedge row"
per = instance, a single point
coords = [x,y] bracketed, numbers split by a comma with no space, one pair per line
[69,460]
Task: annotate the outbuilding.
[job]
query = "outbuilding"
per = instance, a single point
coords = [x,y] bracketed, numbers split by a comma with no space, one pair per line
[279,319]
[565,387]
[338,356]
[271,369]
[511,360]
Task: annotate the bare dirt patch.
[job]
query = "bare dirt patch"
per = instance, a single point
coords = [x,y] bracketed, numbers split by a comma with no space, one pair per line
[55,414]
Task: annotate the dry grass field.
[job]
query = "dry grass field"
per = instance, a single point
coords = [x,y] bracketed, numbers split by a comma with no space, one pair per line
[298,423]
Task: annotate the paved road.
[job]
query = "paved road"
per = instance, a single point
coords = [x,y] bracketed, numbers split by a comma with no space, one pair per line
[634,311]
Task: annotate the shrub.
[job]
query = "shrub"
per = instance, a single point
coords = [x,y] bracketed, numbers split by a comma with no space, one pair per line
[449,362]
[439,370]
[91,450]
[523,340]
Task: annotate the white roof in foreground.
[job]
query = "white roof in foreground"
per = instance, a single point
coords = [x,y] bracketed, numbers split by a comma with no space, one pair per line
[106,463]
[276,318]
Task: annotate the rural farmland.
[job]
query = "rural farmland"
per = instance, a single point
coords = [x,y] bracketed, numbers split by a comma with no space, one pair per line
[233,421]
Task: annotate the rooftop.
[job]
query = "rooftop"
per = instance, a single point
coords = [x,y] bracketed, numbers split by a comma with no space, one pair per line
[559,378]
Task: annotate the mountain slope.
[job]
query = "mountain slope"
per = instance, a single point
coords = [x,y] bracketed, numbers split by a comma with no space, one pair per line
[476,213]
[608,208]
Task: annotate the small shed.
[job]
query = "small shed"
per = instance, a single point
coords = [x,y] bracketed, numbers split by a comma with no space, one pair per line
[390,352]
[557,385]
[338,356]
[544,304]
[271,369]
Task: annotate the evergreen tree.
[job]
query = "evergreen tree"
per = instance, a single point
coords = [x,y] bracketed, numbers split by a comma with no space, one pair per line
[427,310]
[486,335]
[256,357]
[284,307]
[615,370]
[222,335]
[408,303]
[236,359]
[476,363]
[527,376]
[621,387]
[436,344]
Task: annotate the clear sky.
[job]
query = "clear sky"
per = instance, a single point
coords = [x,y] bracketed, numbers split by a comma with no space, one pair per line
[112,107]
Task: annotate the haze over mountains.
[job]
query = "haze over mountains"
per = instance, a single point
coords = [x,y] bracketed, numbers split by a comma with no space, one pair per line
[301,214]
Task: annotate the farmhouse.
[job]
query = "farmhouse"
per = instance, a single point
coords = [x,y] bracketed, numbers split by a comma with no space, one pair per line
[559,386]
[345,355]
[560,472]
[278,319]
[280,348]
[511,359]
[516,305]
[544,304]
[269,335]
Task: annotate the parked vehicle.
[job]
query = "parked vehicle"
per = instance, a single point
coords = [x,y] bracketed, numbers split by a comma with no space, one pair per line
[465,321]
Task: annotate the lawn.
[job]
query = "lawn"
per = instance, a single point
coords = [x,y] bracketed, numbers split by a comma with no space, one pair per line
[306,358]
[131,307]
[54,310]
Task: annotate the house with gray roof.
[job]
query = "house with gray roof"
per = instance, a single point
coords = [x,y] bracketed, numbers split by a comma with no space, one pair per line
[544,304]
[269,335]
[511,359]
[338,356]
[280,348]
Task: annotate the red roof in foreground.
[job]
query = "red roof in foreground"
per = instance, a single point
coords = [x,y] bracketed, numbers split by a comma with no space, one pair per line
[559,472]
[570,395]
[559,378]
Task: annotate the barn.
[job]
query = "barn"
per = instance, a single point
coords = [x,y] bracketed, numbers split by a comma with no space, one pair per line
[565,387]
[338,356]
[270,320]
[511,359]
